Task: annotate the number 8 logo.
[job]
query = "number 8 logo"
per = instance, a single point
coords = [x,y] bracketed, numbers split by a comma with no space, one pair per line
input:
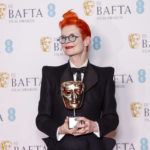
[8,46]
[96,43]
[144,144]
[140,6]
[11,114]
[51,10]
[142,75]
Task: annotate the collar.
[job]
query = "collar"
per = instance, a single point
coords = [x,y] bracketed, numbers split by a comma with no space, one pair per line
[73,66]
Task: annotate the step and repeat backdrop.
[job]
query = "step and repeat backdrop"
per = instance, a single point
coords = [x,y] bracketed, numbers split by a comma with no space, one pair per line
[28,40]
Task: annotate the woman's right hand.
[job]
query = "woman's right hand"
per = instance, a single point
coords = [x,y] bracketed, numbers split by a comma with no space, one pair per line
[64,128]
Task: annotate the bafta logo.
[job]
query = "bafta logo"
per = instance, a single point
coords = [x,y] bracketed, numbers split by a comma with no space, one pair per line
[5,145]
[88,7]
[134,40]
[4,79]
[46,44]
[136,109]
[2,10]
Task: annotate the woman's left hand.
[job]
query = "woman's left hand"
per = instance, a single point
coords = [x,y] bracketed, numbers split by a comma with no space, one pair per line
[85,126]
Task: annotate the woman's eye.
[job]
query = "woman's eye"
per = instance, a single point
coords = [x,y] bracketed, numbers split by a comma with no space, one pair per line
[72,35]
[62,37]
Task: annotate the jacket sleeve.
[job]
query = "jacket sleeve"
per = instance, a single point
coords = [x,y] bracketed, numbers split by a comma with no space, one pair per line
[109,118]
[45,121]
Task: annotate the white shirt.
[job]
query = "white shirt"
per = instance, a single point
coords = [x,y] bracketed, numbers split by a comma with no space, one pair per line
[60,136]
[82,74]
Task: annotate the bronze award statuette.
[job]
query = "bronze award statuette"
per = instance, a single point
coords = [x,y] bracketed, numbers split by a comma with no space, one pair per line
[72,93]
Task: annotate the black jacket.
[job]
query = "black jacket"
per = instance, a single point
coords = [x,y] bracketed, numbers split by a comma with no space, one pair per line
[99,105]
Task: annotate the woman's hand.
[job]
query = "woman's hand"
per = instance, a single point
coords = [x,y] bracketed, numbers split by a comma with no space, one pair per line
[64,129]
[85,126]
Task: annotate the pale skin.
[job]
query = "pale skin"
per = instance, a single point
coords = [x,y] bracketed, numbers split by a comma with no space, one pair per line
[77,53]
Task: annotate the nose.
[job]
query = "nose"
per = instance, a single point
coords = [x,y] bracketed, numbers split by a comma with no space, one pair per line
[67,40]
[74,97]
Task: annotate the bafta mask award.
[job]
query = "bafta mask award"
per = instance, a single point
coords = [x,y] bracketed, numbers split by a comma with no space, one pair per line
[72,93]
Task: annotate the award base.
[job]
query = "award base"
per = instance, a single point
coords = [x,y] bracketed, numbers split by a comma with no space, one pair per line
[72,122]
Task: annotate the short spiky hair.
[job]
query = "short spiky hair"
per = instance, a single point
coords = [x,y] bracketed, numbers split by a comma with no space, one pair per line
[71,18]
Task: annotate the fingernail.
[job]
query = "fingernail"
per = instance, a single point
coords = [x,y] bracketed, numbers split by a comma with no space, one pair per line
[75,119]
[75,126]
[75,132]
[80,121]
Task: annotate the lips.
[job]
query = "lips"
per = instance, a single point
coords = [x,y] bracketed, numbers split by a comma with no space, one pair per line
[69,47]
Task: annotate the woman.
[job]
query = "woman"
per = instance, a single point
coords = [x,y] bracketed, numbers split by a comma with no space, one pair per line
[97,116]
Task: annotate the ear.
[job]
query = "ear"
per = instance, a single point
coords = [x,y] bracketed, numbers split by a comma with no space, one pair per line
[87,41]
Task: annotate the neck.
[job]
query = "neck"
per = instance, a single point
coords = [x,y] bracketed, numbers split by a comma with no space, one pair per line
[78,60]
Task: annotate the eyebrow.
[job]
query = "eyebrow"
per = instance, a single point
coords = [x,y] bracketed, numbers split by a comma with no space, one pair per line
[69,34]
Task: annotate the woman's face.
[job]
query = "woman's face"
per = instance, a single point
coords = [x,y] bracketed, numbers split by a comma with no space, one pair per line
[76,45]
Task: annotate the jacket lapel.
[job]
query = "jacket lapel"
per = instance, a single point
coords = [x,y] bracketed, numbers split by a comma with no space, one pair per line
[67,74]
[90,77]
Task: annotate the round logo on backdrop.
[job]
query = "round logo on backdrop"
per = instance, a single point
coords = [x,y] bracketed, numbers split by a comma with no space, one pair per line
[46,43]
[139,41]
[2,10]
[134,40]
[136,109]
[5,145]
[4,77]
[88,7]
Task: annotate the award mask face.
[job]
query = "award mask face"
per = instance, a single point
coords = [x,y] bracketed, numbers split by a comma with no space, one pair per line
[72,93]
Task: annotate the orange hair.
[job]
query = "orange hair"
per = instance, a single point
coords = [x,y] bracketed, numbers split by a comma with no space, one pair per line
[71,18]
